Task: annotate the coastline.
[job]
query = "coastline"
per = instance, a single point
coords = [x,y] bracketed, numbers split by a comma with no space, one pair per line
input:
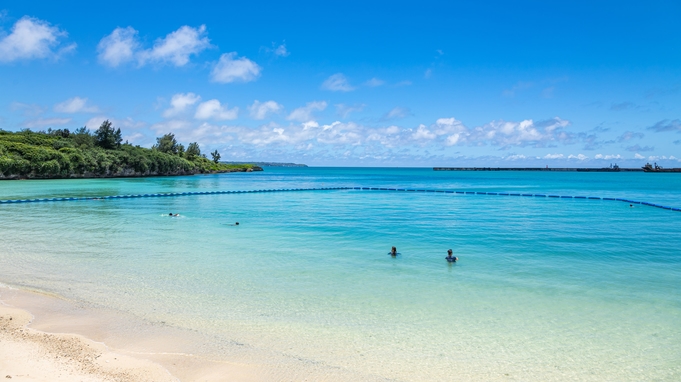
[45,337]
[124,174]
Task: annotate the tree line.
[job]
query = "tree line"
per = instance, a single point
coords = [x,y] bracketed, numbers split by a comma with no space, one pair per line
[100,153]
[110,138]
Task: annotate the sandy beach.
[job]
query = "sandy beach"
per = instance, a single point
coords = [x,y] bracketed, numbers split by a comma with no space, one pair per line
[48,338]
[27,354]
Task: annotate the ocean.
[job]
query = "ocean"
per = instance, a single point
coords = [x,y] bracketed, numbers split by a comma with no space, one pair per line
[544,289]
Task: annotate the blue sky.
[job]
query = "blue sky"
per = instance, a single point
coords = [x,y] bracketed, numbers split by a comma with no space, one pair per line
[523,83]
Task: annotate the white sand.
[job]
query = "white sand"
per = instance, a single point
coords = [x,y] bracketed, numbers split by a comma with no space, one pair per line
[60,340]
[31,355]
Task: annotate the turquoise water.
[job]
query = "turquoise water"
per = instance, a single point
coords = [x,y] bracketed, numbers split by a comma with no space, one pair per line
[545,289]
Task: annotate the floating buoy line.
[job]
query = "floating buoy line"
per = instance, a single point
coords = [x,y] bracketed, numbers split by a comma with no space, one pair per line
[174,194]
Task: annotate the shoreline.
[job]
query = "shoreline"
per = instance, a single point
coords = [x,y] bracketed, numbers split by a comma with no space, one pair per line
[124,175]
[51,338]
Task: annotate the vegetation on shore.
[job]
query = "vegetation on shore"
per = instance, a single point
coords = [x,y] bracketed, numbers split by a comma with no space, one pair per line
[84,154]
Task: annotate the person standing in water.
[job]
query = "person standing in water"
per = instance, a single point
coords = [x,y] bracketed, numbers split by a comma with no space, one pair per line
[450,258]
[393,252]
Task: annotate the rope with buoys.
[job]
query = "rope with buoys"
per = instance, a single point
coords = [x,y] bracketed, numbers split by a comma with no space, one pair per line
[13,201]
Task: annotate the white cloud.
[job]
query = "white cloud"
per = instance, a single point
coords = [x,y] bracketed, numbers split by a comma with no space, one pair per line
[663,157]
[422,133]
[638,156]
[122,46]
[43,122]
[345,110]
[177,46]
[524,133]
[128,123]
[609,156]
[95,122]
[443,133]
[75,105]
[578,157]
[374,82]
[334,141]
[212,109]
[554,156]
[32,38]
[134,137]
[396,113]
[303,114]
[300,136]
[232,69]
[261,110]
[281,51]
[451,128]
[428,73]
[179,104]
[28,110]
[119,47]
[337,82]
[277,50]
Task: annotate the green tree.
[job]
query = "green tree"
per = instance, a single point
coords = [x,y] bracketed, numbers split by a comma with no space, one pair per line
[216,156]
[107,137]
[193,151]
[167,144]
[59,132]
[83,137]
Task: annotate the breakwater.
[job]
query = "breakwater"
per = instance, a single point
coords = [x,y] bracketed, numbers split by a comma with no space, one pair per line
[560,169]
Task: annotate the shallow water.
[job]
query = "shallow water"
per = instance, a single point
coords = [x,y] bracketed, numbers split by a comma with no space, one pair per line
[544,289]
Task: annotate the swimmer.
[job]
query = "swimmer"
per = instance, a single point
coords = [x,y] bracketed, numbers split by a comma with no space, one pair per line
[393,251]
[631,205]
[451,258]
[173,215]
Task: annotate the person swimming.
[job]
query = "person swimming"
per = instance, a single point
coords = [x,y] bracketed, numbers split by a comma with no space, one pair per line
[450,258]
[393,252]
[173,215]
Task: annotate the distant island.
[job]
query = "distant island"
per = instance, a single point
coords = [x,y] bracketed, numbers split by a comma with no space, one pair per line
[61,153]
[269,164]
